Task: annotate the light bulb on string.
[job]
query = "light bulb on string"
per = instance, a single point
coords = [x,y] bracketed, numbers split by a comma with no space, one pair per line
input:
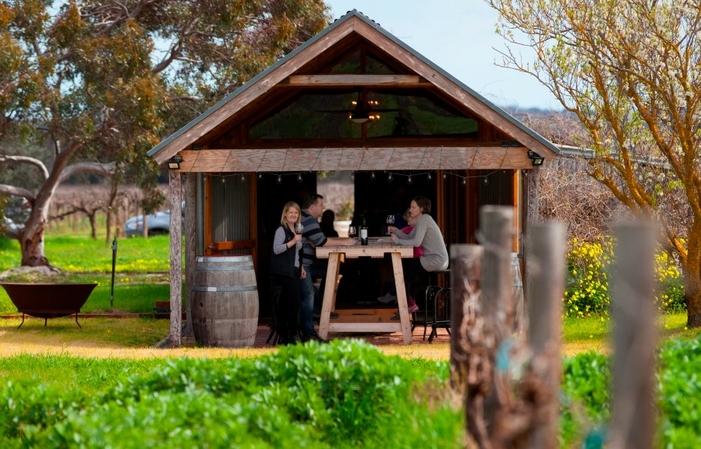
[279,179]
[372,176]
[260,175]
[445,175]
[409,180]
[428,176]
[464,181]
[389,177]
[485,180]
[223,179]
[353,176]
[243,177]
[299,178]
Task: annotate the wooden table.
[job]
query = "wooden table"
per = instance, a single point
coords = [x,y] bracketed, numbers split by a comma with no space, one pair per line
[377,248]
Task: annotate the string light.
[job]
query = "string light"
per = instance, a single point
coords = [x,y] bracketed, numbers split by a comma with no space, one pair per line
[260,175]
[389,177]
[409,181]
[353,176]
[243,177]
[299,178]
[372,176]
[464,181]
[279,179]
[428,176]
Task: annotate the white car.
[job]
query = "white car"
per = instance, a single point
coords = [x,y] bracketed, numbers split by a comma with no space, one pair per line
[158,224]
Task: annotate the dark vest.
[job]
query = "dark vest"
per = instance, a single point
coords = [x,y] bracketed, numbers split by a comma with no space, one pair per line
[284,263]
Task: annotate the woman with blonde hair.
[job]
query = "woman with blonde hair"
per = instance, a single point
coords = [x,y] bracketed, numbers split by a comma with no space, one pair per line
[286,269]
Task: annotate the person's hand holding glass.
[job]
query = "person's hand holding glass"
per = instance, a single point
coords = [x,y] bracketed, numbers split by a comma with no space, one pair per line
[390,223]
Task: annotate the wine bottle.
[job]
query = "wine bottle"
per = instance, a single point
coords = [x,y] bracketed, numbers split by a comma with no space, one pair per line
[364,233]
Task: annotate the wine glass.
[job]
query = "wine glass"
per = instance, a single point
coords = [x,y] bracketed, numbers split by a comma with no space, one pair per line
[352,232]
[299,227]
[390,222]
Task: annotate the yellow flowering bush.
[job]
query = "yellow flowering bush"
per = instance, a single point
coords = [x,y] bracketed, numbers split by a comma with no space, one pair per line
[587,291]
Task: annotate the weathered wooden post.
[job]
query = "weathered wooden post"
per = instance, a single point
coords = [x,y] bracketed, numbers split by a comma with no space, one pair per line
[547,266]
[176,310]
[511,388]
[634,337]
[496,229]
[466,263]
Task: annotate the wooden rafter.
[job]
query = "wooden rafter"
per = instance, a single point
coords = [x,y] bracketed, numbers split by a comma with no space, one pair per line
[356,80]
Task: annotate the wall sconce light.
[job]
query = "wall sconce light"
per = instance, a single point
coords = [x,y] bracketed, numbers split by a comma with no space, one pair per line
[174,162]
[536,159]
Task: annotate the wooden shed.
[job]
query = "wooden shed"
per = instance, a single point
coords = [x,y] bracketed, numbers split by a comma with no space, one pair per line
[356,98]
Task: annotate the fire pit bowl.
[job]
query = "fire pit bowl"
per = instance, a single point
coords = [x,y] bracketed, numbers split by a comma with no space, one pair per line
[48,300]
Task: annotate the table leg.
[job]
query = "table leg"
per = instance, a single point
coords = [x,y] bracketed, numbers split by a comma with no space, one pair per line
[401,297]
[329,294]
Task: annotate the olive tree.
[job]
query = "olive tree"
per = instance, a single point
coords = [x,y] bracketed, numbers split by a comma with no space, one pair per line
[630,70]
[98,83]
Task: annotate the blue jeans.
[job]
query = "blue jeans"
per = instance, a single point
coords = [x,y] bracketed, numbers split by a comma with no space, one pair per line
[308,294]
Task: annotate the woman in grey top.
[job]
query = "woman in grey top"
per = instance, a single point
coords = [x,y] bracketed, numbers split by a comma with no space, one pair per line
[427,235]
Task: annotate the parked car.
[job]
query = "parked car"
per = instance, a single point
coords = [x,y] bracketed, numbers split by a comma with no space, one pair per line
[158,223]
[17,209]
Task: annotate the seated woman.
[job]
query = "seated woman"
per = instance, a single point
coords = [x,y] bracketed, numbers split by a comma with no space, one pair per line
[427,235]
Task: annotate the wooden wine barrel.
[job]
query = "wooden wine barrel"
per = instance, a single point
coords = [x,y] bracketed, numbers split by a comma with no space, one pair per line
[225,301]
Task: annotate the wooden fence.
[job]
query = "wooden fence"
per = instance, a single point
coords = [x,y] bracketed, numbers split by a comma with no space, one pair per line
[510,380]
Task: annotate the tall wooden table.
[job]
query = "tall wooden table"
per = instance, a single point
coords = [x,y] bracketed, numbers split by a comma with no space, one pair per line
[377,248]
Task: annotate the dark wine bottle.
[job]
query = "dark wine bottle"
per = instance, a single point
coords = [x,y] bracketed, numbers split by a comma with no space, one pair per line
[364,233]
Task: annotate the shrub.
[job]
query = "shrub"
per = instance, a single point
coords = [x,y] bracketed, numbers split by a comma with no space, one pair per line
[587,290]
[343,394]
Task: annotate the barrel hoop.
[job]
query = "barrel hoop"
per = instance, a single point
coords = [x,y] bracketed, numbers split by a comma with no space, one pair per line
[230,268]
[222,259]
[251,288]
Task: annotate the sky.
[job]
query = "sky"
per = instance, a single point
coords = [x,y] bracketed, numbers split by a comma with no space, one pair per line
[459,37]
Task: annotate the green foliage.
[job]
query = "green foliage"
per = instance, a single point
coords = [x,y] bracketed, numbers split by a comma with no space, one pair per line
[588,267]
[679,388]
[585,399]
[344,394]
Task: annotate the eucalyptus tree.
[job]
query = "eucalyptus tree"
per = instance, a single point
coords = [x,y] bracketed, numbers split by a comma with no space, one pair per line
[631,72]
[98,83]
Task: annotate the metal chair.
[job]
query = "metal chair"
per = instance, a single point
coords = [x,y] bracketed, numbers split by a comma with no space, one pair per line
[436,306]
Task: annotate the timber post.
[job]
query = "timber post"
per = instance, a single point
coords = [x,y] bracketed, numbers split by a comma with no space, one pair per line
[634,337]
[176,312]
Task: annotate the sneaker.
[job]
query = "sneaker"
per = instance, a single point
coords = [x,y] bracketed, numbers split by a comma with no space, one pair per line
[412,309]
[388,298]
[313,336]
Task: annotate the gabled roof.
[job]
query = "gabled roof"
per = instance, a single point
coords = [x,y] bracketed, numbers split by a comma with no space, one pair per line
[356,22]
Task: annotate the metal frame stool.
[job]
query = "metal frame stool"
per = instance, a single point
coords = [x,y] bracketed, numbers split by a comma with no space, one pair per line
[432,315]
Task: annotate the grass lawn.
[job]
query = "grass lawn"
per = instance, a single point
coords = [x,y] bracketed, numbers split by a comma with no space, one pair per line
[142,276]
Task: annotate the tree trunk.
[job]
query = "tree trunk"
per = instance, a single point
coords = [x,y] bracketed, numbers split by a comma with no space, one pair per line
[32,244]
[692,296]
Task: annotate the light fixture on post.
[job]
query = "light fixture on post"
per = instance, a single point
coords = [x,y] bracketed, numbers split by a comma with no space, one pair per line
[536,159]
[174,162]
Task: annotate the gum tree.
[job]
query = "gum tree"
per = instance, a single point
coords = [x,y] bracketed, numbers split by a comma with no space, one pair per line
[98,83]
[630,70]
